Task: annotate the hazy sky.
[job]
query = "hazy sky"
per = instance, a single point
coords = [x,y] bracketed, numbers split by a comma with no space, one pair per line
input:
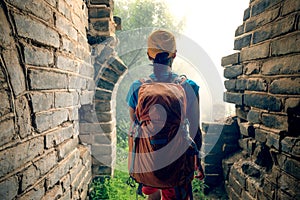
[211,23]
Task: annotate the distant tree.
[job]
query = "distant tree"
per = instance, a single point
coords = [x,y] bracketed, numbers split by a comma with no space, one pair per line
[139,18]
[146,13]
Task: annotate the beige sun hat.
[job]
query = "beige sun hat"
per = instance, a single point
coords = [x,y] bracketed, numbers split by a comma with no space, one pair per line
[161,41]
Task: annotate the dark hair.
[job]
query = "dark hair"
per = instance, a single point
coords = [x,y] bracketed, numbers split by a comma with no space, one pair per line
[161,64]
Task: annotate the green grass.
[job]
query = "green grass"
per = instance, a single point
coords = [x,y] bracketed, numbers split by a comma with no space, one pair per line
[116,188]
[113,188]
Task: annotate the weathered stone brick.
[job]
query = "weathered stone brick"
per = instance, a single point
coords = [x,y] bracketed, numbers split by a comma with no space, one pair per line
[75,171]
[101,149]
[104,116]
[262,195]
[23,118]
[102,138]
[117,64]
[15,71]
[263,5]
[13,158]
[5,107]
[101,25]
[247,129]
[30,176]
[66,147]
[289,44]
[247,196]
[38,56]
[101,2]
[64,9]
[257,84]
[261,20]
[6,40]
[53,193]
[290,166]
[247,145]
[82,54]
[236,186]
[230,85]
[263,101]
[75,184]
[290,6]
[66,27]
[85,155]
[235,98]
[9,188]
[254,116]
[241,42]
[242,112]
[285,86]
[38,8]
[100,12]
[90,84]
[232,59]
[62,169]
[241,84]
[104,54]
[50,119]
[252,68]
[43,80]
[35,30]
[255,52]
[77,82]
[269,189]
[36,193]
[273,140]
[282,65]
[236,172]
[67,64]
[7,131]
[86,69]
[275,121]
[91,128]
[291,145]
[252,186]
[284,196]
[232,194]
[103,95]
[66,99]
[81,26]
[281,27]
[66,182]
[239,31]
[68,45]
[73,114]
[233,71]
[261,135]
[58,136]
[101,83]
[246,14]
[102,106]
[86,97]
[42,101]
[289,185]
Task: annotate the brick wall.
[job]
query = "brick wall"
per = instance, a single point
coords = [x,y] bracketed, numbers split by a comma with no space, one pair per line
[263,81]
[46,75]
[97,120]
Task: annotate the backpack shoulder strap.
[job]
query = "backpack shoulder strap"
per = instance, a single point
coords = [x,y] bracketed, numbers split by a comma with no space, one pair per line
[179,79]
[146,80]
